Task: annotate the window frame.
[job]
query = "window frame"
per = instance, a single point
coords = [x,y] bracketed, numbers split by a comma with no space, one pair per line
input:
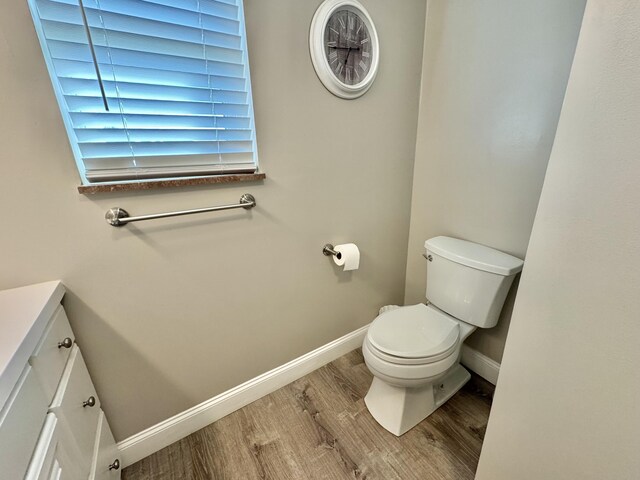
[159,181]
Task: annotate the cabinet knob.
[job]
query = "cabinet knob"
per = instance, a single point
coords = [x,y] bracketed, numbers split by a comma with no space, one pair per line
[66,343]
[115,465]
[89,402]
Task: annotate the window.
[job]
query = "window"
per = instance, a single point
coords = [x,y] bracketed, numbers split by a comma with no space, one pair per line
[151,89]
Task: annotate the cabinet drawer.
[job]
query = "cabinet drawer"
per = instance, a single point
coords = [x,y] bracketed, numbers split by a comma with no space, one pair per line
[21,420]
[52,352]
[50,459]
[77,406]
[106,464]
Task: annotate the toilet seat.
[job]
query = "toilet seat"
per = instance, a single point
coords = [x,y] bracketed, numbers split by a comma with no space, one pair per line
[414,335]
[407,374]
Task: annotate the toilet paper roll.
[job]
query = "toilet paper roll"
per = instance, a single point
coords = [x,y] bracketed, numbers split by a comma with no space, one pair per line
[349,257]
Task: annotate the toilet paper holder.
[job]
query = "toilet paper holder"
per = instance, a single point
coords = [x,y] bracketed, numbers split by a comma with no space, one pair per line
[328,250]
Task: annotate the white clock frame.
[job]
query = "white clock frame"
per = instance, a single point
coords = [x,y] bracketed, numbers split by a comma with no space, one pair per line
[319,60]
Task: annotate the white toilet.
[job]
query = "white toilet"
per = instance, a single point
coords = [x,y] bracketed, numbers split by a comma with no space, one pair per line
[413,352]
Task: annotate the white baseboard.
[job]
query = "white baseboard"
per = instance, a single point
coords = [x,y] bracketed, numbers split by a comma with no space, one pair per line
[169,431]
[480,364]
[165,433]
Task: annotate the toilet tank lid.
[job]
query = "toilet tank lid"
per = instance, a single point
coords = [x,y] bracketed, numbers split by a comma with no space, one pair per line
[474,255]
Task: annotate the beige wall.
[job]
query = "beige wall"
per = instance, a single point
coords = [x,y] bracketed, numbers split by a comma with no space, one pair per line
[494,77]
[170,313]
[567,401]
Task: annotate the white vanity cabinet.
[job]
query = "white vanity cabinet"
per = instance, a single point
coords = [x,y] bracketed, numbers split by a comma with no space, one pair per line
[51,422]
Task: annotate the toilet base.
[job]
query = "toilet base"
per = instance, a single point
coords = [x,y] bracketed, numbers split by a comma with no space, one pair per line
[399,409]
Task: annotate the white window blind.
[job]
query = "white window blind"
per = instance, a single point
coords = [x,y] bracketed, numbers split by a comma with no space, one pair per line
[169,92]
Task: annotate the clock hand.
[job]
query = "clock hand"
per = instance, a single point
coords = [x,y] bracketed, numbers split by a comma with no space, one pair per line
[346,48]
[347,58]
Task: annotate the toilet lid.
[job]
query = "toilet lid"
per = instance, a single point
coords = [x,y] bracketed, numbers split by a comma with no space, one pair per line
[417,331]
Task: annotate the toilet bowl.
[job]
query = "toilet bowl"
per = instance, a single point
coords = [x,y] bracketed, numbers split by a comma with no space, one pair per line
[413,352]
[409,350]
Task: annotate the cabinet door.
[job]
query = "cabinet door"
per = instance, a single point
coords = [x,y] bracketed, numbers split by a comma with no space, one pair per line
[51,460]
[21,420]
[52,352]
[106,463]
[77,406]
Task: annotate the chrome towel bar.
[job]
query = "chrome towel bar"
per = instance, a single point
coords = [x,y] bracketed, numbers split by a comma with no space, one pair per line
[117,217]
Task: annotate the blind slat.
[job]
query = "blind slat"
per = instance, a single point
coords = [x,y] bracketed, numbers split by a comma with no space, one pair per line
[70,42]
[71,69]
[147,60]
[141,173]
[85,87]
[174,161]
[115,120]
[95,104]
[147,149]
[206,6]
[173,135]
[169,161]
[143,9]
[56,16]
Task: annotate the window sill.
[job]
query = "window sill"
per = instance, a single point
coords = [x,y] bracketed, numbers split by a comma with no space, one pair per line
[182,182]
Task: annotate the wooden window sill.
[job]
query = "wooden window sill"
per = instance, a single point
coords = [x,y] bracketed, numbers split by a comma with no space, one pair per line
[181,182]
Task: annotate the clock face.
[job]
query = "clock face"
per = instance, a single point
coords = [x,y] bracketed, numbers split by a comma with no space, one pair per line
[348,47]
[344,47]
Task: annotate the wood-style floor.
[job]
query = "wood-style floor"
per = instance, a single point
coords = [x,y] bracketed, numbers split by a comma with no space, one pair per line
[319,428]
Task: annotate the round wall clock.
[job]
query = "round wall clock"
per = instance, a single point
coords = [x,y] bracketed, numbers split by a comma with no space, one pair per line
[344,47]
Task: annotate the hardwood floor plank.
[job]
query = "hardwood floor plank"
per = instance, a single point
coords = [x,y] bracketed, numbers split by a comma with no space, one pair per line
[318,428]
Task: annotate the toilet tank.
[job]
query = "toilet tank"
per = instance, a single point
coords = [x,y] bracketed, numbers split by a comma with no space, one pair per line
[469,281]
